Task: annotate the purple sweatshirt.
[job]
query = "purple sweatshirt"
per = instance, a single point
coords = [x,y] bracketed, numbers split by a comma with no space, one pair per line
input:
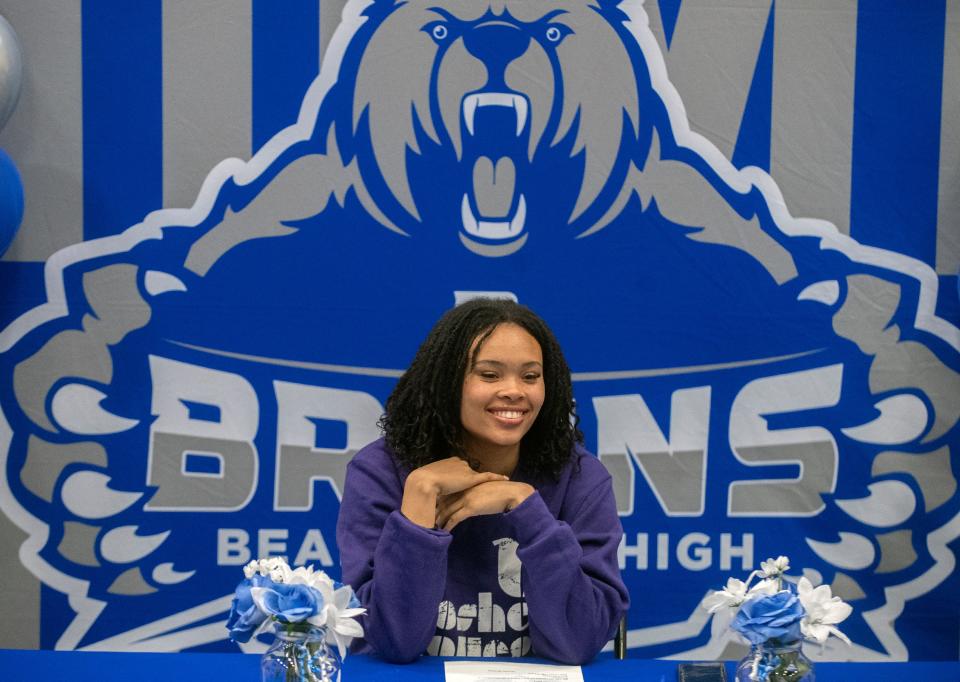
[540,579]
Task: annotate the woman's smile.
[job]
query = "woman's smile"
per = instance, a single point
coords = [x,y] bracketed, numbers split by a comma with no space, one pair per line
[508,415]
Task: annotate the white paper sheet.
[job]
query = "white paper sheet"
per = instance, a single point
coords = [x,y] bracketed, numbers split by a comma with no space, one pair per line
[495,671]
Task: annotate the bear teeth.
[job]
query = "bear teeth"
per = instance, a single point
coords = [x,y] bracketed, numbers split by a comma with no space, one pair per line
[493,229]
[495,99]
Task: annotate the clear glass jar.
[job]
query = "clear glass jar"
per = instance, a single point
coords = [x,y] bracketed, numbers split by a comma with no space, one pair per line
[780,662]
[300,653]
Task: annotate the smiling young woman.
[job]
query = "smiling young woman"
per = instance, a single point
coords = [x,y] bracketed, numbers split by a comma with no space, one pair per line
[479,525]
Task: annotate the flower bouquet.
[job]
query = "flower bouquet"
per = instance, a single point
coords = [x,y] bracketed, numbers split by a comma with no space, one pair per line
[776,615]
[309,613]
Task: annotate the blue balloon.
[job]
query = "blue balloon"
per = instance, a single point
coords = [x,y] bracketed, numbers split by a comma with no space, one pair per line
[11,201]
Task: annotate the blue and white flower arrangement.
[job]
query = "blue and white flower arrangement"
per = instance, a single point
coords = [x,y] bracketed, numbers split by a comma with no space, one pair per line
[776,615]
[295,600]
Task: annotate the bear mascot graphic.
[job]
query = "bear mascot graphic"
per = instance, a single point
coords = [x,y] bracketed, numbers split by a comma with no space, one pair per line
[191,383]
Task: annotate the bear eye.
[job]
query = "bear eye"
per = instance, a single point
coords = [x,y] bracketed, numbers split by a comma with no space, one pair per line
[554,34]
[440,31]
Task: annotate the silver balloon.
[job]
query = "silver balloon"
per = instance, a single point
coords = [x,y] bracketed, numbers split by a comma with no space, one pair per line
[11,71]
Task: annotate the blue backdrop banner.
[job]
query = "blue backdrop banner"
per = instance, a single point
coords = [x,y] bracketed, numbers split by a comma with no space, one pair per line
[762,372]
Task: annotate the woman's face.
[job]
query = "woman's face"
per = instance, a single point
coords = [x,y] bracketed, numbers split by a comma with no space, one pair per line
[503,391]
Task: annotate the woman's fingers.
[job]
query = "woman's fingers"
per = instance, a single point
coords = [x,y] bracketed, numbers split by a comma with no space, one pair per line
[443,515]
[454,474]
[459,476]
[455,518]
[428,485]
[488,476]
[491,497]
[452,515]
[446,506]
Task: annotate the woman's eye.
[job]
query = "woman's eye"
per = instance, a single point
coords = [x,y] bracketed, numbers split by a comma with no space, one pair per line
[488,375]
[531,377]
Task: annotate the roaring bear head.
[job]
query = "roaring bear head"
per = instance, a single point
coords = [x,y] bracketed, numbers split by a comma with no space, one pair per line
[494,97]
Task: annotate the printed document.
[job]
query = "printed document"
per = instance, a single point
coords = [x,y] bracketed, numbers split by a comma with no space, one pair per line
[495,671]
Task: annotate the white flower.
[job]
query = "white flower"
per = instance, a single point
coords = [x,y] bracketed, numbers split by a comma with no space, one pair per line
[766,586]
[300,576]
[823,611]
[336,614]
[774,568]
[319,579]
[734,594]
[276,569]
[306,575]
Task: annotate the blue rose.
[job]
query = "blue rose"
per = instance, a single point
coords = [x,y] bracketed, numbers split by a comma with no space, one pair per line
[290,603]
[770,617]
[245,617]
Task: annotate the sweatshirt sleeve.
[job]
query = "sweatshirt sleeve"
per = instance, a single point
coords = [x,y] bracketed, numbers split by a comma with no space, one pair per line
[571,576]
[397,568]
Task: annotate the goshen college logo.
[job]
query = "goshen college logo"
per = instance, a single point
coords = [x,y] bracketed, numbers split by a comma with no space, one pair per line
[221,360]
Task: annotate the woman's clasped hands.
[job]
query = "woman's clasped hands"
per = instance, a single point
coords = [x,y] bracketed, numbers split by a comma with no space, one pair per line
[444,493]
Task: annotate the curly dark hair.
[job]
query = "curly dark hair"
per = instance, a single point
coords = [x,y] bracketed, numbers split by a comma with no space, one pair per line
[422,418]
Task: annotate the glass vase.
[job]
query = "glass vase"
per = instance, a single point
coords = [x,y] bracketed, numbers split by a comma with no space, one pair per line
[776,662]
[300,654]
